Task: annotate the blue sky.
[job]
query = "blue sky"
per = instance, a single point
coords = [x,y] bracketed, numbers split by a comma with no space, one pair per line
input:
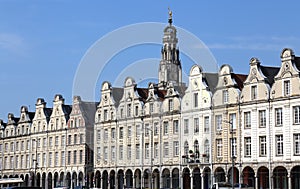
[43,42]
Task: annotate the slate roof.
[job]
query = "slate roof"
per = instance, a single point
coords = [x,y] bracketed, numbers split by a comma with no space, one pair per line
[88,110]
[117,94]
[270,73]
[239,79]
[211,80]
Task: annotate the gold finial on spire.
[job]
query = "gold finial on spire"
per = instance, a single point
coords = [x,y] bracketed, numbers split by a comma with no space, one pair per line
[170,15]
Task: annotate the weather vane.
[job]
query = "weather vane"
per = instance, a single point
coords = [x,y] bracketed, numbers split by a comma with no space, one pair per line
[170,16]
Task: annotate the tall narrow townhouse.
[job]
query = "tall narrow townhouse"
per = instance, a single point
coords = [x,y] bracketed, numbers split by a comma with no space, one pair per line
[152,136]
[17,146]
[54,169]
[196,129]
[284,123]
[80,135]
[226,134]
[39,142]
[255,125]
[169,158]
[106,137]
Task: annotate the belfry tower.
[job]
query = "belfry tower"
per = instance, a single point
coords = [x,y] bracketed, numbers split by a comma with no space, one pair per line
[170,65]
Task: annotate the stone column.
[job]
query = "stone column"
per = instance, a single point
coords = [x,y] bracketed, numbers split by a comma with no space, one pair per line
[289,181]
[202,180]
[181,181]
[192,182]
[256,181]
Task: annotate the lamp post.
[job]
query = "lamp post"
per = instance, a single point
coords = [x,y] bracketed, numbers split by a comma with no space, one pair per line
[232,152]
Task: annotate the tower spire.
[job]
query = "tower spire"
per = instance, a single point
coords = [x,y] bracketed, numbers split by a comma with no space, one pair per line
[170,16]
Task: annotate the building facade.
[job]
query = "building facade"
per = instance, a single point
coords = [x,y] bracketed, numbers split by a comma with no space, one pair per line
[219,127]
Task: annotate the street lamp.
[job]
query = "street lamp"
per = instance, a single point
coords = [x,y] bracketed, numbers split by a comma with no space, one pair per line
[232,152]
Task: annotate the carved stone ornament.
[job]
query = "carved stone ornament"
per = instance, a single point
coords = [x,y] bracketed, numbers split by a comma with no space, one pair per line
[225,81]
[286,66]
[254,71]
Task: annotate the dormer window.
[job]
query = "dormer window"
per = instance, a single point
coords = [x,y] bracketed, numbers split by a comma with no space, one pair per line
[171,105]
[225,96]
[286,88]
[151,108]
[253,92]
[128,110]
[195,100]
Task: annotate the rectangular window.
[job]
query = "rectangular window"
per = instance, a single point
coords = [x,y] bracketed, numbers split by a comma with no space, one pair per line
[247,141]
[219,122]
[156,129]
[286,88]
[296,112]
[151,107]
[128,110]
[137,151]
[225,96]
[98,135]
[278,116]
[105,115]
[279,145]
[147,129]
[233,147]
[56,159]
[113,152]
[105,134]
[262,118]
[147,154]
[113,133]
[175,127]
[155,149]
[75,157]
[56,141]
[176,148]
[44,160]
[195,100]
[166,128]
[138,130]
[206,124]
[297,144]
[28,145]
[219,147]
[166,149]
[62,158]
[50,141]
[253,92]
[171,105]
[98,152]
[69,158]
[50,159]
[63,140]
[196,125]
[129,152]
[121,133]
[121,152]
[75,139]
[186,126]
[105,152]
[263,146]
[136,110]
[232,118]
[247,119]
[80,156]
[69,139]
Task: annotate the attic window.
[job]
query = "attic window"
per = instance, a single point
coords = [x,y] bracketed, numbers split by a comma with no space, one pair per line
[286,88]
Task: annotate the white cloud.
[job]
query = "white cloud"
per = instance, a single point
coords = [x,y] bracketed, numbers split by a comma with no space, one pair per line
[256,43]
[12,42]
